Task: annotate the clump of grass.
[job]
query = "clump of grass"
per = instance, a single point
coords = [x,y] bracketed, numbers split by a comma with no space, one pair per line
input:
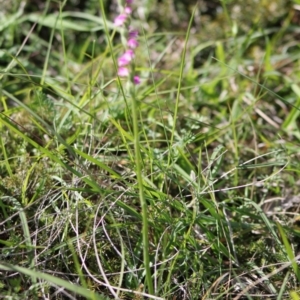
[184,187]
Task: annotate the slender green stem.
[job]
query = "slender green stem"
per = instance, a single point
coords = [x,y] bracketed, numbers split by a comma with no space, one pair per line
[138,163]
[179,84]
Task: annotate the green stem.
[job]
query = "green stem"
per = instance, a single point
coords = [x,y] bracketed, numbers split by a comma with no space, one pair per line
[138,163]
[179,85]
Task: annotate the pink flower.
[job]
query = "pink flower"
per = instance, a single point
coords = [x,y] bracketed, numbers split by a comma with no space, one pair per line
[136,80]
[125,58]
[133,33]
[128,10]
[120,19]
[132,38]
[132,43]
[122,62]
[123,72]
